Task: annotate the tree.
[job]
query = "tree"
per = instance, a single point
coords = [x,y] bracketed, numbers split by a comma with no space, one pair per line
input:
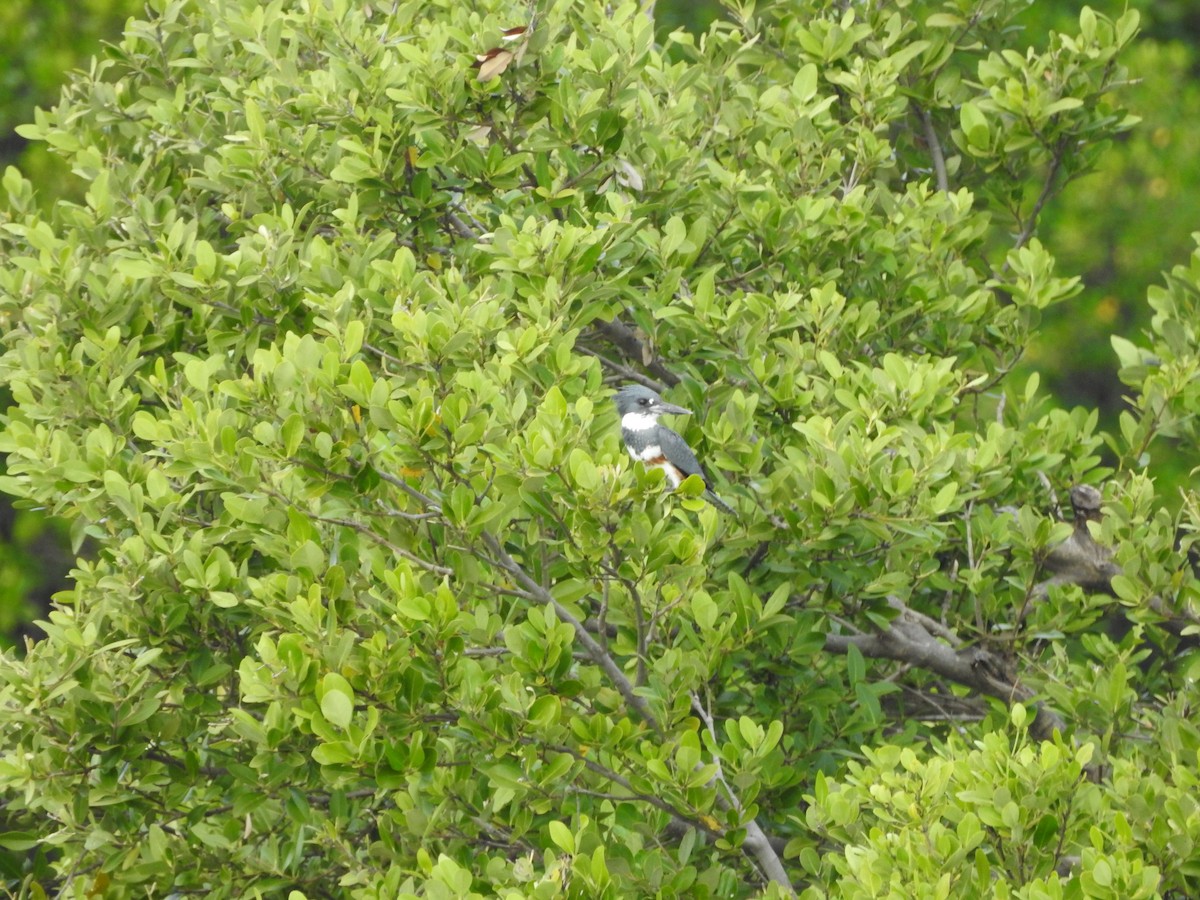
[322,366]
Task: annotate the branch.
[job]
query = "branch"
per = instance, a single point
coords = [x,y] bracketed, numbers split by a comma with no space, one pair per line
[935,148]
[639,618]
[384,542]
[756,840]
[624,371]
[460,227]
[594,650]
[632,348]
[907,640]
[1060,150]
[1081,561]
[428,502]
[634,794]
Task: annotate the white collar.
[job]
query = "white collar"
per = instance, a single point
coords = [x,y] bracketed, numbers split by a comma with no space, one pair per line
[638,421]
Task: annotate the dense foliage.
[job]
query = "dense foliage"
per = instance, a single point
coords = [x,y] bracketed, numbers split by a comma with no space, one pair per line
[41,41]
[322,367]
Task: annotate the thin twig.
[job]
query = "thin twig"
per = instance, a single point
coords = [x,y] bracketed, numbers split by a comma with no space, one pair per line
[706,717]
[432,505]
[383,542]
[624,371]
[1060,151]
[639,618]
[756,840]
[634,794]
[593,648]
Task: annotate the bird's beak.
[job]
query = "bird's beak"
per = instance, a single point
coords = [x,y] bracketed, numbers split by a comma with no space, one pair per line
[670,409]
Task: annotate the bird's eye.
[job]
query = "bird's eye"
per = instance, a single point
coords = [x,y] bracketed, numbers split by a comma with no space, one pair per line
[644,401]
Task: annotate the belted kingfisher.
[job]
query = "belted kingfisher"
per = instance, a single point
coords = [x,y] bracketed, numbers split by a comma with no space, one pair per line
[657,445]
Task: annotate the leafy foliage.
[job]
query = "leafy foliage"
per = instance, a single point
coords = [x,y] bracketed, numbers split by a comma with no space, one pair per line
[39,43]
[322,363]
[1121,224]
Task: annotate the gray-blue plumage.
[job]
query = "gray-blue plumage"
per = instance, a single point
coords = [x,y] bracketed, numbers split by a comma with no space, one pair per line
[657,445]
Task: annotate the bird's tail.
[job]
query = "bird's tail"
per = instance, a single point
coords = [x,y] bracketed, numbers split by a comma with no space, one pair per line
[719,503]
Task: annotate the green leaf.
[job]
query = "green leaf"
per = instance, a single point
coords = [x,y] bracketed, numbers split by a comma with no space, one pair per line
[1018,715]
[206,260]
[562,836]
[337,700]
[415,607]
[674,234]
[583,470]
[293,432]
[856,666]
[334,753]
[975,126]
[944,20]
[352,339]
[704,610]
[18,841]
[1128,353]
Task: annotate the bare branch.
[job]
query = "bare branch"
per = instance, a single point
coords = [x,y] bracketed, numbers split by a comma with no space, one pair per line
[428,502]
[907,640]
[623,371]
[461,228]
[1048,188]
[618,779]
[935,148]
[639,617]
[397,514]
[384,542]
[1081,561]
[632,348]
[593,648]
[394,360]
[756,840]
[485,651]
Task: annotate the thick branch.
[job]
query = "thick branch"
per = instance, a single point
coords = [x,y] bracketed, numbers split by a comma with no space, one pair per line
[632,348]
[935,148]
[907,640]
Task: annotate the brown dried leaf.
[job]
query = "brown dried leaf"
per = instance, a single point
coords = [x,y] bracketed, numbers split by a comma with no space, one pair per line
[493,63]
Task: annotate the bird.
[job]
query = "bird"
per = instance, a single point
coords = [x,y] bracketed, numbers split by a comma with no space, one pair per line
[657,445]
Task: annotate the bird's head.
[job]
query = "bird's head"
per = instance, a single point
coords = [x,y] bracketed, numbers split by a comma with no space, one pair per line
[636,401]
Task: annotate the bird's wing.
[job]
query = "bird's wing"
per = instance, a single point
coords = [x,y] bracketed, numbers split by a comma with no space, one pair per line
[679,454]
